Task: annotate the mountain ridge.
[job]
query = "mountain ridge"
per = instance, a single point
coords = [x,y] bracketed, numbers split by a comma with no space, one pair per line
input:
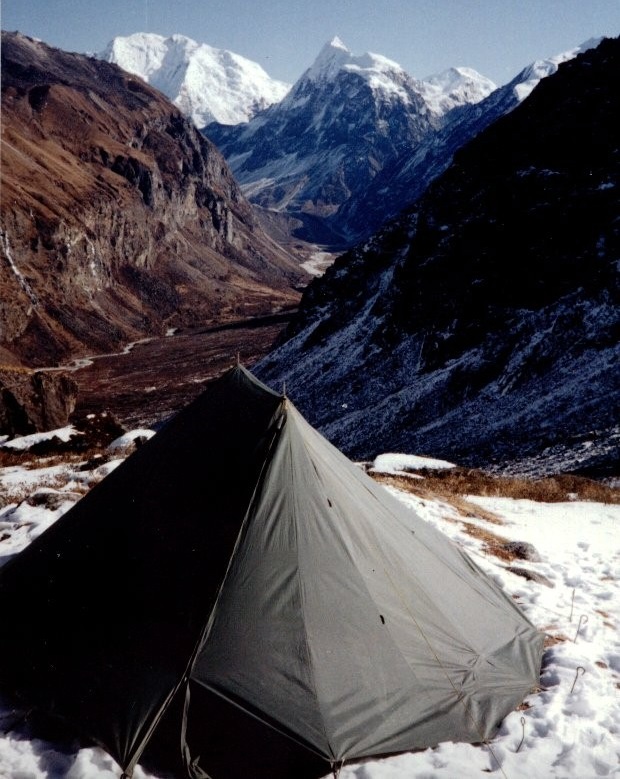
[483,323]
[342,122]
[138,216]
[205,83]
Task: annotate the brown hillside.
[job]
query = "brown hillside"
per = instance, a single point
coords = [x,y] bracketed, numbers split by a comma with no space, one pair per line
[118,218]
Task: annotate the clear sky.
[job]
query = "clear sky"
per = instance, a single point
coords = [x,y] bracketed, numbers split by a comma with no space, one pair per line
[496,37]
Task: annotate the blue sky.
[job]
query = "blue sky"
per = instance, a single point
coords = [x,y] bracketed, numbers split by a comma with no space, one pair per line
[496,37]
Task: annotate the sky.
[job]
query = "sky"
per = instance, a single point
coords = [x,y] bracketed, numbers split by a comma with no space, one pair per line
[496,37]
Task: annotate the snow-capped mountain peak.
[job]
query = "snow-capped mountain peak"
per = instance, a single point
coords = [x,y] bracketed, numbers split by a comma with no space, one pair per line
[332,57]
[206,83]
[335,56]
[529,77]
[455,86]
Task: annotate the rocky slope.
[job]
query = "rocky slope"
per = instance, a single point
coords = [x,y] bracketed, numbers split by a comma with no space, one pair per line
[119,219]
[205,83]
[345,120]
[483,324]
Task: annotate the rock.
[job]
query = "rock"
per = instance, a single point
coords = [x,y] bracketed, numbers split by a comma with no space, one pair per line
[98,430]
[34,401]
[119,219]
[522,550]
[531,576]
[51,499]
[481,326]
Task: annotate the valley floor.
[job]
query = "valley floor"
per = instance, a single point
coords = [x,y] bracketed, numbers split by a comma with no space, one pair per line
[158,376]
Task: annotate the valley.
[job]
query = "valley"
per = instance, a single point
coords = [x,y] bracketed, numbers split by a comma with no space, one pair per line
[144,385]
[427,270]
[473,316]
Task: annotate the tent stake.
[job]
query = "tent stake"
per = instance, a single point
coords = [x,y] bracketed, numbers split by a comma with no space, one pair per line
[582,621]
[523,736]
[580,671]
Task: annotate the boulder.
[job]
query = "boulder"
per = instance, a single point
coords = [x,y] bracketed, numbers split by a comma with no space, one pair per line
[34,401]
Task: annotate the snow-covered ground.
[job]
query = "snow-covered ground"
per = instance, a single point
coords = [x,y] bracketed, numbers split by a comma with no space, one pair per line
[568,729]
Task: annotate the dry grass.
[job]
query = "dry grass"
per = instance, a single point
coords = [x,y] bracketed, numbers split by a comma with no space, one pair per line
[553,640]
[469,481]
[423,489]
[29,460]
[492,543]
[69,462]
[451,485]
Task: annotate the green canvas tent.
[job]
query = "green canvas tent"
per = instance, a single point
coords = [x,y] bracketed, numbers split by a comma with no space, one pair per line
[238,599]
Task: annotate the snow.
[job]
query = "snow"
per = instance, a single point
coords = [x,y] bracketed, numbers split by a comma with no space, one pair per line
[455,87]
[540,69]
[398,464]
[122,442]
[23,443]
[318,263]
[567,729]
[383,75]
[205,83]
[6,246]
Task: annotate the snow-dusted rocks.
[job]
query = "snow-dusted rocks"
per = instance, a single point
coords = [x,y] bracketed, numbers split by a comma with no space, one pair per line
[357,139]
[482,324]
[205,83]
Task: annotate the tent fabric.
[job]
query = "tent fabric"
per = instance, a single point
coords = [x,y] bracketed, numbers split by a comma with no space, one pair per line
[238,570]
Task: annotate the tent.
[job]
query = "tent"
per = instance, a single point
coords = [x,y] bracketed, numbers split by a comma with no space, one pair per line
[238,599]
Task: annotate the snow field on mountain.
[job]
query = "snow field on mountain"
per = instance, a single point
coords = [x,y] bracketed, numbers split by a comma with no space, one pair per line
[205,83]
[567,729]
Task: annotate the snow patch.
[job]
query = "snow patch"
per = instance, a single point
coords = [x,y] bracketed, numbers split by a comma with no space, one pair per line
[398,464]
[26,442]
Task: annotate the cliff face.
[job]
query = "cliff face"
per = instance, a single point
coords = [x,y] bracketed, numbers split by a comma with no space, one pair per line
[119,218]
[31,401]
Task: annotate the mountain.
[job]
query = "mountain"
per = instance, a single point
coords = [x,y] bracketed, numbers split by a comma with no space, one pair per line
[402,181]
[276,158]
[119,219]
[345,120]
[205,83]
[483,324]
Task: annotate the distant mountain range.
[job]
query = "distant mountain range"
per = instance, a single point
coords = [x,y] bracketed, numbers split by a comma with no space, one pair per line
[484,323]
[205,83]
[353,142]
[119,219]
[342,123]
[357,138]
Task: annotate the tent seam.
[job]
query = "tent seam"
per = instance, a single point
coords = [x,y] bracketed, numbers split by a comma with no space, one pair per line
[204,633]
[302,602]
